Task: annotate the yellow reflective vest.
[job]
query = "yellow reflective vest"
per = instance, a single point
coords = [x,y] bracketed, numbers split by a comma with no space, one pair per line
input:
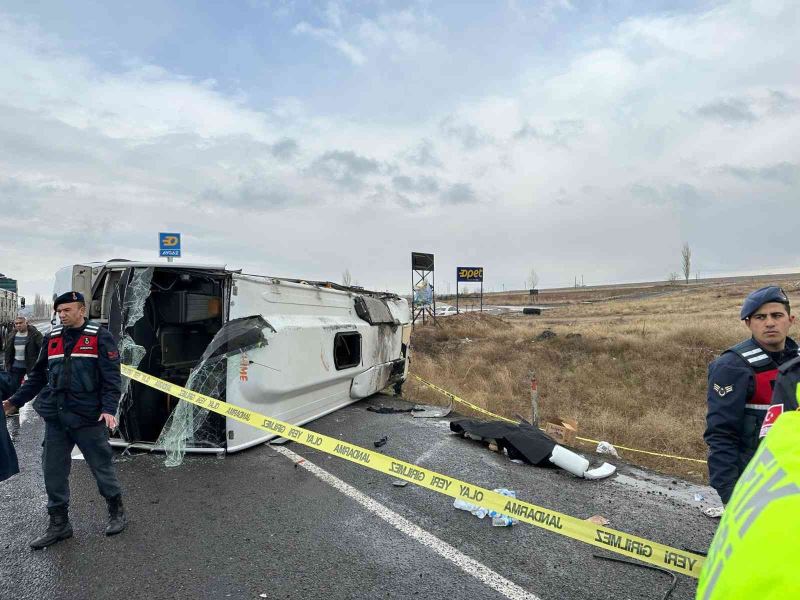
[756,549]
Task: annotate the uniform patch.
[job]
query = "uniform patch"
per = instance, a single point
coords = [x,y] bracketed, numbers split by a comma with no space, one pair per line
[775,411]
[723,390]
[113,355]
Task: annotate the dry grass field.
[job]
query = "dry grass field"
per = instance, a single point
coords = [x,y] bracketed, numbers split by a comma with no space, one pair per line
[632,372]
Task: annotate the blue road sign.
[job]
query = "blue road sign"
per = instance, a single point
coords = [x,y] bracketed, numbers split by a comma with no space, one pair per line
[169,244]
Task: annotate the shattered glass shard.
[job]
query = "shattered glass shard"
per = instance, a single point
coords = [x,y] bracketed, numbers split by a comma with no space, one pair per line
[190,425]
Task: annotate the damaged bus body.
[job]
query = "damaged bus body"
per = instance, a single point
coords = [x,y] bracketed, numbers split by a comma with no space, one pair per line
[290,349]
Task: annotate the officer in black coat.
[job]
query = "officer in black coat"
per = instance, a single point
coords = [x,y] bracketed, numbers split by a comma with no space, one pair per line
[78,382]
[740,384]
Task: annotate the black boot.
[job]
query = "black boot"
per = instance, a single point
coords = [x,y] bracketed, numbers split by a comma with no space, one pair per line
[59,529]
[117,521]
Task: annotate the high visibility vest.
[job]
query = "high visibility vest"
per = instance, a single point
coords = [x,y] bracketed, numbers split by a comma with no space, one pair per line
[755,551]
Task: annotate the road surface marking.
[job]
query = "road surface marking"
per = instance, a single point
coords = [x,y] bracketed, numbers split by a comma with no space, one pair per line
[470,566]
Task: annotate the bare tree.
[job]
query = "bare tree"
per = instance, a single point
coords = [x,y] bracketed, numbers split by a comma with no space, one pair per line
[347,279]
[686,261]
[533,279]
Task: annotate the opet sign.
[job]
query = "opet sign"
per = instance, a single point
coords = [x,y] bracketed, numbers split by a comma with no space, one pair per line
[469,274]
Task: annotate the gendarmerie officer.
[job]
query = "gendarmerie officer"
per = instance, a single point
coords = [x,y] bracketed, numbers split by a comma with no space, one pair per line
[77,379]
[740,384]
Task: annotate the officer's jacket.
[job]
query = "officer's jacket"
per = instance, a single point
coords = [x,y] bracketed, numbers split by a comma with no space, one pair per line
[785,397]
[740,384]
[77,376]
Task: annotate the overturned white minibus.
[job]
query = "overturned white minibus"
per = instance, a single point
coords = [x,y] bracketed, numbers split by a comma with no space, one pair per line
[290,349]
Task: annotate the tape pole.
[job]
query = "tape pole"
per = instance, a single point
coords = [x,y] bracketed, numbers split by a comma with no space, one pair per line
[648,551]
[507,420]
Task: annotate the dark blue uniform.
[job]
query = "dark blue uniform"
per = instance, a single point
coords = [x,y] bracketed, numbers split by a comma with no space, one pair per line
[736,411]
[77,377]
[786,385]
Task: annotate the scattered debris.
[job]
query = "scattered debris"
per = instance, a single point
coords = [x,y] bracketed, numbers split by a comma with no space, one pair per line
[498,520]
[399,483]
[381,442]
[547,334]
[598,520]
[713,512]
[388,410]
[469,507]
[569,461]
[607,448]
[423,411]
[601,472]
[563,431]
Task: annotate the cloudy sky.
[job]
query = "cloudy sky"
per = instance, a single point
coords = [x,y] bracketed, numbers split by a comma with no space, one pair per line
[305,138]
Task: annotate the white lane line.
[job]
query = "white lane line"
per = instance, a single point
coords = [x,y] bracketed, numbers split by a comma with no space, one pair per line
[470,566]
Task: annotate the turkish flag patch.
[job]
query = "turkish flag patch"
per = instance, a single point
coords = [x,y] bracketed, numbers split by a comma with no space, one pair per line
[775,411]
[113,355]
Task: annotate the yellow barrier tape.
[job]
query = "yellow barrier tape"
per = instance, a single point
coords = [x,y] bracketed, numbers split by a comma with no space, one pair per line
[502,418]
[628,545]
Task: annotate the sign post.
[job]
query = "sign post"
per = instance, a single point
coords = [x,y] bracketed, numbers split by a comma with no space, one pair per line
[469,275]
[169,245]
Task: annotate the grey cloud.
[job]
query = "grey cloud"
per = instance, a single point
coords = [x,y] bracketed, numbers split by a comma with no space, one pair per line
[346,168]
[558,132]
[459,193]
[783,172]
[253,193]
[424,155]
[285,149]
[382,195]
[424,184]
[467,134]
[782,103]
[729,110]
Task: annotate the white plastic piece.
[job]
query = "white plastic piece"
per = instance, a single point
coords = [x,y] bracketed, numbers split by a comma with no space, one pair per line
[601,472]
[607,448]
[569,461]
[714,512]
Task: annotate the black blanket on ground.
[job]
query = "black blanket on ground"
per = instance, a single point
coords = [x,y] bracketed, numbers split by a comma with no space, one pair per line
[524,442]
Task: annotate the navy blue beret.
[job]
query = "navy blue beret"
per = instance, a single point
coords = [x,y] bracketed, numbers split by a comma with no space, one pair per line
[67,297]
[770,293]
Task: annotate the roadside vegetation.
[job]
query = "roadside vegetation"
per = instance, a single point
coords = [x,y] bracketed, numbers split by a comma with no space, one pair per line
[630,371]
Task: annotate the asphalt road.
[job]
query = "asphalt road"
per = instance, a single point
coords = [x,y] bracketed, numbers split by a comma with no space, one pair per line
[256,525]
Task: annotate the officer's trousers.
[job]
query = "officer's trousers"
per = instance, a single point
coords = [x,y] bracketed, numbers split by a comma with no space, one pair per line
[57,460]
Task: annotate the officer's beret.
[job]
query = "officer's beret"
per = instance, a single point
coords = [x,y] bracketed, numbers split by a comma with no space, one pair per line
[67,297]
[770,293]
